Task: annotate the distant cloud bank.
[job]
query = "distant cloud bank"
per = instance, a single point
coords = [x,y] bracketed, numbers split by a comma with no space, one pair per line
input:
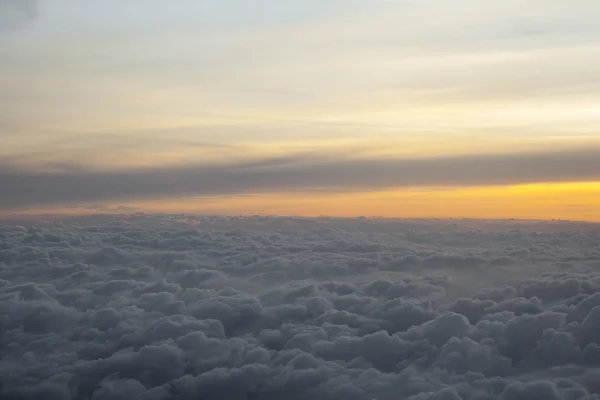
[24,188]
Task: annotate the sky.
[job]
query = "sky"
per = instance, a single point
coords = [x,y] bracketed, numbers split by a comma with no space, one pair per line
[429,108]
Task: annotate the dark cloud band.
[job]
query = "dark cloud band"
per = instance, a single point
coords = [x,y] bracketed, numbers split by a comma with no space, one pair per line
[294,173]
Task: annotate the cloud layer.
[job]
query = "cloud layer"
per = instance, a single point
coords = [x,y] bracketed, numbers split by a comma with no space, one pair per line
[293,173]
[175,307]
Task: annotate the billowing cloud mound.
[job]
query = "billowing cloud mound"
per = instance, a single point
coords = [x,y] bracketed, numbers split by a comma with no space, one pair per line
[158,307]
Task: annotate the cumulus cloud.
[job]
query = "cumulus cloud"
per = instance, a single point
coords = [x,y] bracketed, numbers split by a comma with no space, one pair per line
[150,307]
[24,188]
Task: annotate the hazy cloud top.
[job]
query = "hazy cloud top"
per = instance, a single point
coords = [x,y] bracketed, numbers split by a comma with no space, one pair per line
[340,309]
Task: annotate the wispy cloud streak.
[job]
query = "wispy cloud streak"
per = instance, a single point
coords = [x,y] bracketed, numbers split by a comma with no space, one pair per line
[305,172]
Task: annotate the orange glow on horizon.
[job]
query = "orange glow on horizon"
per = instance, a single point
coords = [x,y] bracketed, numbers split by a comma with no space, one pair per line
[572,201]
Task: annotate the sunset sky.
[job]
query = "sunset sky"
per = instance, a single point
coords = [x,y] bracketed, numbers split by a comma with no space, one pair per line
[422,108]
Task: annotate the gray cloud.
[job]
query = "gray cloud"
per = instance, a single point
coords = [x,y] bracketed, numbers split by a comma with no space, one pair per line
[23,188]
[325,309]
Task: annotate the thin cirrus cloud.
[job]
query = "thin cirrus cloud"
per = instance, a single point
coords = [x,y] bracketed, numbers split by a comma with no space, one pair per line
[399,63]
[302,172]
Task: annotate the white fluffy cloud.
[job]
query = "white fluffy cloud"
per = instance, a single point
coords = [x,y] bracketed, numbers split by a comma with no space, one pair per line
[171,307]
